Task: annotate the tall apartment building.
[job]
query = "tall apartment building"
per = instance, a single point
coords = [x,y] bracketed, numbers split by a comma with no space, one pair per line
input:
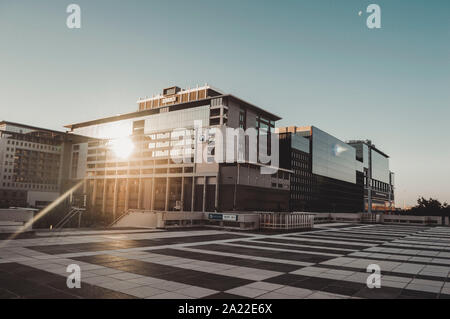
[149,159]
[32,164]
[333,176]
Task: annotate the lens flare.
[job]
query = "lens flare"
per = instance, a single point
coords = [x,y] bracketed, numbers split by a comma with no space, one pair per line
[338,150]
[44,212]
[122,147]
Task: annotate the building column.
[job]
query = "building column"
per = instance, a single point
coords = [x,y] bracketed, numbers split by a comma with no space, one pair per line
[216,199]
[152,205]
[139,206]
[115,199]
[204,195]
[369,182]
[193,194]
[104,197]
[127,194]
[94,193]
[166,205]
[182,194]
[235,187]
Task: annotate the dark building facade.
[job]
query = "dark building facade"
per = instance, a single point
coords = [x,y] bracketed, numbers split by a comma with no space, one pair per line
[330,175]
[33,164]
[379,181]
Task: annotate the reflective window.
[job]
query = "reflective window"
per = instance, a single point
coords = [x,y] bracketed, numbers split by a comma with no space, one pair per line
[177,119]
[332,157]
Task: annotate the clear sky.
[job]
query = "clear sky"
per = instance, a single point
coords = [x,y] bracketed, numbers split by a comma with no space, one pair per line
[311,62]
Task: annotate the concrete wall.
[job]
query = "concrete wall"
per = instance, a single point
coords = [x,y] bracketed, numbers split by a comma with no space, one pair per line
[33,196]
[379,218]
[14,220]
[16,215]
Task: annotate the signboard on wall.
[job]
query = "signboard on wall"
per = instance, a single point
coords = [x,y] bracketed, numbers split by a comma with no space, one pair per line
[224,217]
[230,218]
[169,100]
[215,216]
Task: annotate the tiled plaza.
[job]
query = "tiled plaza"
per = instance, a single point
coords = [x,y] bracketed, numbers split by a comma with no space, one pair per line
[328,262]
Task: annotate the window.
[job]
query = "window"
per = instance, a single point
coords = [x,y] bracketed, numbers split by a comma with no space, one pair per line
[242,119]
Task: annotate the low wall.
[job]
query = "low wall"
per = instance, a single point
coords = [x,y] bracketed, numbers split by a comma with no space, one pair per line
[14,219]
[320,218]
[263,220]
[233,220]
[154,219]
[422,220]
[286,221]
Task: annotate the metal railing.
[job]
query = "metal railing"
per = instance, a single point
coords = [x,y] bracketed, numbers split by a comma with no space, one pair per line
[73,212]
[286,221]
[125,213]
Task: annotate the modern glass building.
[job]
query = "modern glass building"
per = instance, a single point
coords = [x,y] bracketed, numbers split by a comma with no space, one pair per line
[330,175]
[379,182]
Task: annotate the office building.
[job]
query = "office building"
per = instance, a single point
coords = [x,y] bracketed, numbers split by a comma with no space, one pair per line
[150,160]
[379,181]
[330,175]
[33,168]
[197,150]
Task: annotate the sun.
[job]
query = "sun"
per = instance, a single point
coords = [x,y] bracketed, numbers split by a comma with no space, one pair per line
[122,147]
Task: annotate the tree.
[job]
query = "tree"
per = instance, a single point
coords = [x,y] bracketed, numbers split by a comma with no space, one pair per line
[430,207]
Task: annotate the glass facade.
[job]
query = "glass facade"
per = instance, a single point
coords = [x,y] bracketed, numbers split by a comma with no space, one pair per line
[110,130]
[380,167]
[177,119]
[300,143]
[157,122]
[332,157]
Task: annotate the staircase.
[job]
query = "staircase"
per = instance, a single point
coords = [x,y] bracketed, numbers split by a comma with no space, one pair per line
[137,219]
[73,212]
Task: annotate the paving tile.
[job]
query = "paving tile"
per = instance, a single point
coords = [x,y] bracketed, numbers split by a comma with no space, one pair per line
[414,265]
[170,295]
[169,285]
[247,291]
[196,292]
[295,292]
[96,279]
[264,286]
[104,271]
[427,282]
[124,276]
[379,293]
[144,291]
[322,295]
[393,284]
[276,295]
[120,285]
[224,295]
[432,289]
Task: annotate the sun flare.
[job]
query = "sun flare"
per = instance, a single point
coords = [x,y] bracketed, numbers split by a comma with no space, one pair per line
[122,147]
